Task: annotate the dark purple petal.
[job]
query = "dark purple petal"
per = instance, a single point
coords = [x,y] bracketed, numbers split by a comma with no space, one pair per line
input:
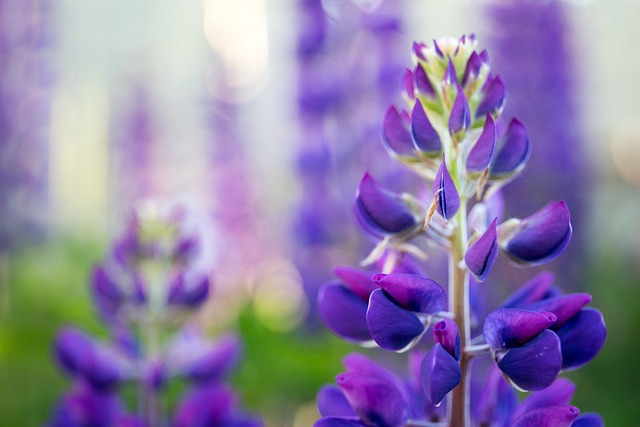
[557,394]
[395,134]
[482,152]
[210,405]
[589,420]
[446,333]
[460,118]
[425,137]
[155,376]
[582,337]
[535,365]
[440,374]
[214,364]
[446,193]
[417,50]
[564,306]
[472,69]
[450,76]
[107,295]
[484,57]
[332,403]
[391,326]
[377,401]
[553,416]
[358,280]
[339,422]
[413,292]
[188,293]
[102,370]
[72,348]
[437,49]
[422,83]
[496,402]
[539,238]
[407,83]
[512,152]
[382,211]
[343,312]
[495,95]
[532,291]
[513,327]
[482,254]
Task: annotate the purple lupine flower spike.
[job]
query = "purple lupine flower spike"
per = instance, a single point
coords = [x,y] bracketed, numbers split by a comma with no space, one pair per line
[483,253]
[444,189]
[538,238]
[481,154]
[425,137]
[188,291]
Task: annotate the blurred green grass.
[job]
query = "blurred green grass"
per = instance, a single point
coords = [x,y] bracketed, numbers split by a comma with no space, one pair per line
[45,287]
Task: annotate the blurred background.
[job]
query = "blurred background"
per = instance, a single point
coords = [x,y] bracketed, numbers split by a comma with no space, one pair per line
[262,115]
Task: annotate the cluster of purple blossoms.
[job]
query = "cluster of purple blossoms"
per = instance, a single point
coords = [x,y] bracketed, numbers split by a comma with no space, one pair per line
[146,291]
[451,134]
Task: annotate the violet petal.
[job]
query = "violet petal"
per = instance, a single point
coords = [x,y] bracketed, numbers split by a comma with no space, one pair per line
[582,337]
[425,137]
[535,365]
[446,333]
[450,77]
[460,118]
[472,69]
[482,254]
[356,279]
[339,422]
[332,403]
[343,312]
[512,152]
[422,83]
[106,293]
[413,292]
[407,83]
[552,416]
[564,306]
[395,134]
[482,152]
[446,193]
[513,327]
[72,348]
[588,420]
[531,291]
[557,394]
[391,326]
[494,97]
[440,374]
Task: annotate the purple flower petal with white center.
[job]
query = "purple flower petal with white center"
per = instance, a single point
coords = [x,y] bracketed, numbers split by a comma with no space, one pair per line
[339,422]
[513,327]
[440,374]
[588,420]
[460,118]
[496,402]
[495,96]
[539,238]
[413,292]
[422,82]
[357,280]
[557,394]
[564,307]
[391,326]
[332,403]
[72,347]
[446,193]
[482,254]
[343,312]
[106,293]
[582,337]
[425,137]
[535,365]
[482,152]
[446,334]
[512,151]
[553,416]
[395,133]
[188,293]
[407,83]
[472,69]
[534,290]
[216,362]
[377,401]
[380,211]
[450,77]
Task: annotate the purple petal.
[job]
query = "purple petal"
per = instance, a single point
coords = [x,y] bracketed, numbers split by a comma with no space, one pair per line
[422,83]
[512,151]
[513,327]
[473,68]
[213,365]
[377,401]
[582,337]
[437,49]
[356,362]
[106,293]
[450,76]
[557,394]
[204,406]
[589,420]
[343,312]
[532,291]
[395,134]
[425,137]
[539,238]
[381,211]
[358,280]
[481,256]
[407,83]
[189,293]
[72,348]
[535,365]
[460,118]
[482,152]
[495,95]
[446,192]
[553,416]
[339,422]
[564,307]
[417,50]
[332,403]
[101,370]
[413,292]
[484,57]
[446,333]
[496,402]
[391,326]
[440,374]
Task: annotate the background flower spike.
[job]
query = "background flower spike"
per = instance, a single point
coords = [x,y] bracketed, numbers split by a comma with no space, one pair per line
[539,238]
[445,192]
[482,254]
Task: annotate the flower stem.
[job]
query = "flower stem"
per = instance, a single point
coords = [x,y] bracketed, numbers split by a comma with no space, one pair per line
[459,305]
